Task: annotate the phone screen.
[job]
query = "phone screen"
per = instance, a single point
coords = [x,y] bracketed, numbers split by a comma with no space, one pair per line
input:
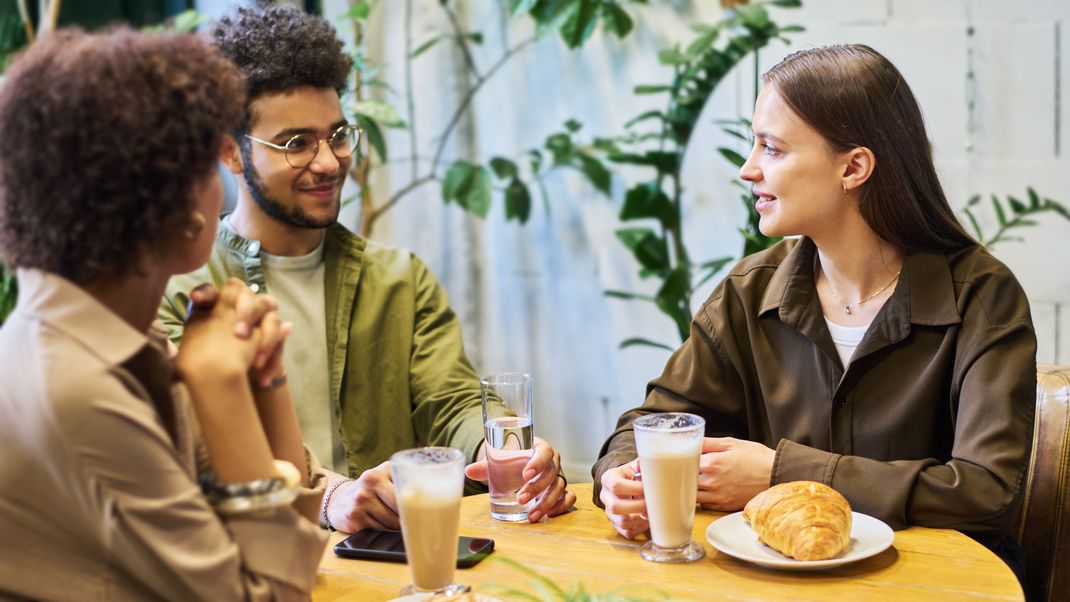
[379,544]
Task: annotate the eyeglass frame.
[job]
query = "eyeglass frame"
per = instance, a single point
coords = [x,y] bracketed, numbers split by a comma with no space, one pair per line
[358,132]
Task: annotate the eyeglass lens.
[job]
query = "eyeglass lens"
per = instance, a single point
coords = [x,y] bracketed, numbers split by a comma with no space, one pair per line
[301,149]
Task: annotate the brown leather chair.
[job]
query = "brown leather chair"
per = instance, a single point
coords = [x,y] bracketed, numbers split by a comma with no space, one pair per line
[1043,527]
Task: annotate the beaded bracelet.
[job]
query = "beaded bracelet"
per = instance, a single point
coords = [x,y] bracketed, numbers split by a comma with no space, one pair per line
[324,519]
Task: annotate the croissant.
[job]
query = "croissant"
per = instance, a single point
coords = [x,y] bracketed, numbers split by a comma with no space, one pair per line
[801,519]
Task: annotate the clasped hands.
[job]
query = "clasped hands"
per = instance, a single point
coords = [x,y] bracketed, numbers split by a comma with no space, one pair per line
[731,472]
[370,500]
[233,330]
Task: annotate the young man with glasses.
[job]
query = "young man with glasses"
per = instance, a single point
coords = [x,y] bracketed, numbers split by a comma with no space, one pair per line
[376,361]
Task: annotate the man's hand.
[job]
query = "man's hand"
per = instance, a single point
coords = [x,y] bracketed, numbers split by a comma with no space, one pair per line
[368,501]
[622,495]
[544,482]
[732,471]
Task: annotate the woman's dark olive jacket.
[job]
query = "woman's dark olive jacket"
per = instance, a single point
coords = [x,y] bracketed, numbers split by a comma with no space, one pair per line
[930,423]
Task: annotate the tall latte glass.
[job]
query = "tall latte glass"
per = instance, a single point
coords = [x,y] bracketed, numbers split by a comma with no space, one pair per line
[669,446]
[507,426]
[429,482]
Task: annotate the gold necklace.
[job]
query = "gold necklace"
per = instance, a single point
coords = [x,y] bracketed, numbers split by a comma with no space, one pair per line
[847,306]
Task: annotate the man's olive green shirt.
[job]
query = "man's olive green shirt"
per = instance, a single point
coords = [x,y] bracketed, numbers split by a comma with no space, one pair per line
[930,423]
[399,377]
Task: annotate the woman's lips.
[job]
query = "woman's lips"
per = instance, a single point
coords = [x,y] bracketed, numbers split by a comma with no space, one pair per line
[764,202]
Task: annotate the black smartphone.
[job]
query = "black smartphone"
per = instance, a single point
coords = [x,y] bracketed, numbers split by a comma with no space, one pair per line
[381,544]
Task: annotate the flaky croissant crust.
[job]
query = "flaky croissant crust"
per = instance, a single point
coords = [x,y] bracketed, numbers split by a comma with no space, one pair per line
[805,520]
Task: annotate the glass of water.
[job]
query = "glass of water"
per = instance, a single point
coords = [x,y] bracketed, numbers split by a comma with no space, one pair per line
[507,426]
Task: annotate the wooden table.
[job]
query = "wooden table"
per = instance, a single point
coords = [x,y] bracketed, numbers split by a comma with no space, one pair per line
[582,547]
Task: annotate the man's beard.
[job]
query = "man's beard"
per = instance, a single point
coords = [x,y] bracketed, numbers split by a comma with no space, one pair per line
[291,216]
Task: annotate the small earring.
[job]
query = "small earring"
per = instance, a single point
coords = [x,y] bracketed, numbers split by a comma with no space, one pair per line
[197,223]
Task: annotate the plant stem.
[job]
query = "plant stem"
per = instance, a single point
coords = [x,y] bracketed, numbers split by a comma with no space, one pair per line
[360,169]
[27,24]
[409,96]
[459,38]
[467,100]
[370,218]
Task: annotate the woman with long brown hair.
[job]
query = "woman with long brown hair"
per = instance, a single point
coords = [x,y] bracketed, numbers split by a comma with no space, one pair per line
[883,352]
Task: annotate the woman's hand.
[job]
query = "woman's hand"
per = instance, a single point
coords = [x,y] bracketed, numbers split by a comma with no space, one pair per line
[543,481]
[622,495]
[732,471]
[229,331]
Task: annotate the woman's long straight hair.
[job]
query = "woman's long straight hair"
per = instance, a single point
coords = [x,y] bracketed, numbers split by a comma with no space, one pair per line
[854,97]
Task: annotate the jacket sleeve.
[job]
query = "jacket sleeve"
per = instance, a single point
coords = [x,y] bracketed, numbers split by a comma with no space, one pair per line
[697,379]
[164,529]
[992,399]
[445,387]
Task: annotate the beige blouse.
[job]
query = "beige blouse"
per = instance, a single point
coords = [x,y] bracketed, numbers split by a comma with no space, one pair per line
[99,457]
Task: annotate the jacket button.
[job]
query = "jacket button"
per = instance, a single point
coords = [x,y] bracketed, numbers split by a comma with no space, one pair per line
[842,403]
[254,287]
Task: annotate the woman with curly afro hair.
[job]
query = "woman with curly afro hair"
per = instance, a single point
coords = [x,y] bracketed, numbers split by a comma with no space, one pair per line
[125,473]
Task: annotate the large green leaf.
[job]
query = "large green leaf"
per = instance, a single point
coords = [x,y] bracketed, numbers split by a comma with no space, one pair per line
[733,157]
[672,299]
[665,162]
[422,48]
[551,15]
[626,295]
[651,89]
[580,24]
[517,201]
[8,292]
[702,44]
[671,56]
[503,168]
[375,136]
[359,10]
[639,341]
[380,111]
[596,173]
[535,160]
[616,20]
[560,145]
[469,186]
[648,201]
[649,249]
[1000,215]
[519,7]
[644,116]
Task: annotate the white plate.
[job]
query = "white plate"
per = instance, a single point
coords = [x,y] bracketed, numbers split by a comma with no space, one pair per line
[733,536]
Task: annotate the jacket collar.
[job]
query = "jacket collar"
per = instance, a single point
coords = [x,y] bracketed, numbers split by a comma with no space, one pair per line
[925,294]
[336,238]
[61,304]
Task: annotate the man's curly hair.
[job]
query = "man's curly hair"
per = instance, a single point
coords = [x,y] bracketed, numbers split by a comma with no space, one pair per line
[104,137]
[279,48]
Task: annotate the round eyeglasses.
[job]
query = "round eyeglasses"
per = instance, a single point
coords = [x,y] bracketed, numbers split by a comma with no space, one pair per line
[302,149]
